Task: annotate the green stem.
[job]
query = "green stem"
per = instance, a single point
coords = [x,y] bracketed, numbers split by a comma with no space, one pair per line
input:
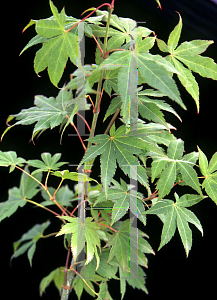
[41,206]
[88,165]
[44,187]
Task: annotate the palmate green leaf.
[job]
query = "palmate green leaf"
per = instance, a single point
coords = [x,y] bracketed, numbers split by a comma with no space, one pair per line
[58,44]
[10,158]
[50,112]
[48,163]
[188,53]
[156,75]
[14,201]
[120,246]
[80,233]
[103,292]
[117,146]
[123,199]
[111,81]
[54,55]
[17,196]
[79,285]
[126,28]
[57,276]
[106,270]
[34,234]
[175,164]
[138,282]
[177,216]
[47,112]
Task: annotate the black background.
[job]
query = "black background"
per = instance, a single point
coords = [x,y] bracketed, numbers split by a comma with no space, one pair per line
[170,273]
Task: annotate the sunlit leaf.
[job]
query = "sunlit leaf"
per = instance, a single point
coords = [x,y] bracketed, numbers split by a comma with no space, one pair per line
[175,35]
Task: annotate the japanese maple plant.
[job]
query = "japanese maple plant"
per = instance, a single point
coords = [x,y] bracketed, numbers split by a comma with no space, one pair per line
[98,218]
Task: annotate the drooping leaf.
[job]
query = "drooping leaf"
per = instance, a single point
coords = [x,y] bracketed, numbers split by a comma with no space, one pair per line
[50,112]
[17,196]
[150,111]
[80,233]
[121,245]
[177,216]
[57,276]
[188,54]
[14,201]
[137,281]
[34,234]
[156,75]
[188,81]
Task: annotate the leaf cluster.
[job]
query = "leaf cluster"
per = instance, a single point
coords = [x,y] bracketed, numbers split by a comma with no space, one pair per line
[141,86]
